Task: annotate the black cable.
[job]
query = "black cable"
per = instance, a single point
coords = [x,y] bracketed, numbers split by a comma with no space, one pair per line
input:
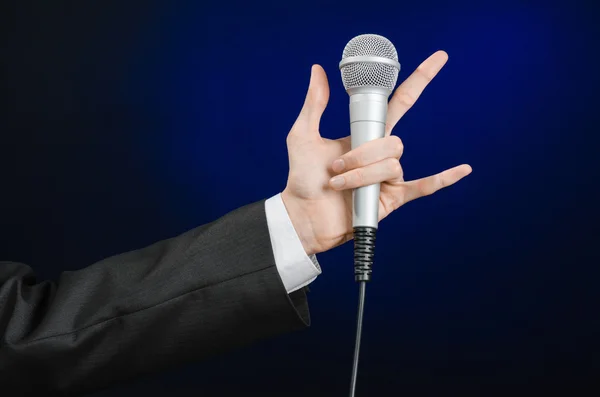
[361,308]
[364,251]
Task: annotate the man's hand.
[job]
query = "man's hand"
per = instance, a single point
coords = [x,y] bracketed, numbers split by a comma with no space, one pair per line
[323,172]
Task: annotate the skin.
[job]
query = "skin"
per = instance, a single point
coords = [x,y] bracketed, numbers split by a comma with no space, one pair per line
[323,172]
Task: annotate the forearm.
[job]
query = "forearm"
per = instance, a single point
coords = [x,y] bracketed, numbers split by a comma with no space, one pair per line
[180,300]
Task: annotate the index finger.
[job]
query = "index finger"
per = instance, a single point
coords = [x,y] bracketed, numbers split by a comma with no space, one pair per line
[409,91]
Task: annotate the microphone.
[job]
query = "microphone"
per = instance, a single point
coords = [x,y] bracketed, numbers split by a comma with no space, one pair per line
[369,69]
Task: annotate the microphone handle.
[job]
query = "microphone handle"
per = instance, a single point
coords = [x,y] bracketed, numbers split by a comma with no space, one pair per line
[368,112]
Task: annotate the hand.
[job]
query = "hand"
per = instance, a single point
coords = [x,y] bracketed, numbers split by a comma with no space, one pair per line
[323,172]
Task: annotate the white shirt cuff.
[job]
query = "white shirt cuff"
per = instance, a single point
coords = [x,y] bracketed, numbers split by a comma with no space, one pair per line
[295,268]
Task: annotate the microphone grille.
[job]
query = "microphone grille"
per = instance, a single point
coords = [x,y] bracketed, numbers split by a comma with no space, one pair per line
[374,74]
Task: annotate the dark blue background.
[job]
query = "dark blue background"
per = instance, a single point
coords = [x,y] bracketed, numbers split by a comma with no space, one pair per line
[128,122]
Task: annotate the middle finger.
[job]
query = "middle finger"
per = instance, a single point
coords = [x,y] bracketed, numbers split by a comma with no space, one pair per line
[369,153]
[384,170]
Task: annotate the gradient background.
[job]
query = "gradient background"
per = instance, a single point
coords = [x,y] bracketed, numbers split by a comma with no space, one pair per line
[128,122]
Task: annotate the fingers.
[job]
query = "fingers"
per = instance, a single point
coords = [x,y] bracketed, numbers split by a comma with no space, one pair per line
[314,103]
[425,186]
[409,91]
[369,153]
[385,170]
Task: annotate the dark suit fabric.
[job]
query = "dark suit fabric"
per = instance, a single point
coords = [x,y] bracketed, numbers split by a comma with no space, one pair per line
[177,301]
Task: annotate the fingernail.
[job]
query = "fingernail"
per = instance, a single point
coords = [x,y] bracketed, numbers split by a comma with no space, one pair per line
[338,165]
[337,181]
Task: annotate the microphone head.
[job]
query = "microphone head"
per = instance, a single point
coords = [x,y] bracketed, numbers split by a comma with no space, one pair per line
[370,60]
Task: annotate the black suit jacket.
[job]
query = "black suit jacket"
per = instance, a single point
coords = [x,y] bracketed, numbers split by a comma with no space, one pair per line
[179,300]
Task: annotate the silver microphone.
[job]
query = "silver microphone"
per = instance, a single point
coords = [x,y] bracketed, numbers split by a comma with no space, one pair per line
[369,69]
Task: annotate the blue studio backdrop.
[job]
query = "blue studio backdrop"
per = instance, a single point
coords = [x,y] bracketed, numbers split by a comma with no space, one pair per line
[129,122]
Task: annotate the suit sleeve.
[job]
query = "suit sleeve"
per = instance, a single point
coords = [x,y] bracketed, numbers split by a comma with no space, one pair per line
[177,301]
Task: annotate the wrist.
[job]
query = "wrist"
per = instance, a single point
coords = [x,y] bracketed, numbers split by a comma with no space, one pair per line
[301,222]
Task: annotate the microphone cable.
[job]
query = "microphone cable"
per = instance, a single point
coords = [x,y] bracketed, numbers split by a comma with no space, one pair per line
[364,250]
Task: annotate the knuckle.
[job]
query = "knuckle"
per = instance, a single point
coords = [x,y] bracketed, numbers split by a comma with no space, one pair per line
[394,166]
[292,135]
[359,177]
[428,187]
[426,73]
[406,98]
[354,159]
[398,145]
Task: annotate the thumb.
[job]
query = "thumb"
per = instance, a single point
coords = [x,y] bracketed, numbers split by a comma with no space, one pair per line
[315,102]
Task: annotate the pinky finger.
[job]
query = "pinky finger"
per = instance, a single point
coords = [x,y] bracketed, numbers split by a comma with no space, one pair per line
[431,184]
